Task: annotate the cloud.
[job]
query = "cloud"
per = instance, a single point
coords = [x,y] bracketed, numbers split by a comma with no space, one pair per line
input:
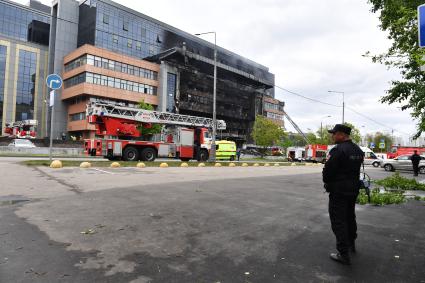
[311,46]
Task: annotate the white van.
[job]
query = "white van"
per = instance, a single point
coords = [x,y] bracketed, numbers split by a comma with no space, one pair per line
[370,157]
[295,153]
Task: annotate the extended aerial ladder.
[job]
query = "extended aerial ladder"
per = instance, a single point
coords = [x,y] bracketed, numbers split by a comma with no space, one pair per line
[21,129]
[298,129]
[96,109]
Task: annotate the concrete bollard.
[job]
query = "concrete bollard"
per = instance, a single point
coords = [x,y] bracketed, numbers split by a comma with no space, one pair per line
[201,165]
[276,165]
[115,165]
[85,165]
[141,165]
[245,165]
[267,165]
[293,164]
[232,164]
[163,165]
[56,164]
[256,165]
[217,165]
[184,164]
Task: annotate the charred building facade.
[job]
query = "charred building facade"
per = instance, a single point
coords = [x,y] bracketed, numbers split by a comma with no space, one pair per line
[186,65]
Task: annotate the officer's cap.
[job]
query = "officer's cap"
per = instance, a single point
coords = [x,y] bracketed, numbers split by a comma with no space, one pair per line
[340,128]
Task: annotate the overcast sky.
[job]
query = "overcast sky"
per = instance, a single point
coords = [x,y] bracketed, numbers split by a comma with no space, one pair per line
[311,46]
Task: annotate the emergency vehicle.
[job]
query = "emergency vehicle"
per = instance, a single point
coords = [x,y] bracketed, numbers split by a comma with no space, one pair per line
[404,150]
[295,153]
[316,153]
[25,129]
[119,130]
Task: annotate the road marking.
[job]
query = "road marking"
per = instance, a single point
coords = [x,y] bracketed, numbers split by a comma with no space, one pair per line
[103,171]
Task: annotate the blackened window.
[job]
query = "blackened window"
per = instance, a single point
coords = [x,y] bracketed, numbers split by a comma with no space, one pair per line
[125,26]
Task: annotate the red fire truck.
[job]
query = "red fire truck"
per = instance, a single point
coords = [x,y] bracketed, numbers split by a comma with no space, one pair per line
[183,137]
[316,153]
[25,129]
[404,150]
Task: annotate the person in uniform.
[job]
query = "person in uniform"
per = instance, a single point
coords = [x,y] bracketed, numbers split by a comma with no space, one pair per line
[416,158]
[341,177]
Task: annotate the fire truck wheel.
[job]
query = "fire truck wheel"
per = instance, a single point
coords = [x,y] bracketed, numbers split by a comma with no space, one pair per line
[203,155]
[131,154]
[148,154]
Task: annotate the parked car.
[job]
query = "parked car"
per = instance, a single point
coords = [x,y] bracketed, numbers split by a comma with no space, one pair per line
[402,162]
[22,143]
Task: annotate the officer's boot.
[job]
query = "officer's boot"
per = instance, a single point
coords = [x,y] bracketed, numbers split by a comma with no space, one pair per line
[341,258]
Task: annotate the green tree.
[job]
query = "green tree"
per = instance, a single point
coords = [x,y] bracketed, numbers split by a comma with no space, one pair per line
[266,133]
[355,133]
[324,136]
[399,19]
[154,128]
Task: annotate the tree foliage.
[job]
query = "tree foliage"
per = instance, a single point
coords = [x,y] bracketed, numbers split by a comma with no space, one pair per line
[266,132]
[355,133]
[399,19]
[148,130]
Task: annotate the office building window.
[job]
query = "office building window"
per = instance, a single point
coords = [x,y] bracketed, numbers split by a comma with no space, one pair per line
[106,19]
[110,82]
[77,116]
[115,38]
[125,26]
[3,58]
[25,85]
[111,65]
[129,43]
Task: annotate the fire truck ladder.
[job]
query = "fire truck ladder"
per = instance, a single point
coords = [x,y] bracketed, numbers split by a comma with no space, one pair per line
[148,116]
[25,123]
[296,127]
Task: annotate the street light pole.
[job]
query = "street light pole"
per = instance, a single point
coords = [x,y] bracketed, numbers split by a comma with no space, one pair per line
[343,103]
[214,132]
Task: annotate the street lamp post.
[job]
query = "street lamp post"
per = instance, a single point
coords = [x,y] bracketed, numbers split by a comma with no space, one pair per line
[321,127]
[214,133]
[343,103]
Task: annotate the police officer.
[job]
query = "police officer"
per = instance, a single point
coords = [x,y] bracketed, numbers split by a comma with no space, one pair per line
[341,176]
[416,158]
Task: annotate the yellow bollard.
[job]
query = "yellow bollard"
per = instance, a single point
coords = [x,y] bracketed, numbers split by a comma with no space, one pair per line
[256,165]
[276,164]
[267,165]
[141,165]
[245,165]
[293,164]
[85,165]
[184,164]
[232,164]
[56,164]
[201,165]
[217,165]
[163,165]
[115,165]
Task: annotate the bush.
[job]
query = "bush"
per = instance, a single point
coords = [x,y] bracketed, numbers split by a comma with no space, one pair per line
[397,182]
[378,198]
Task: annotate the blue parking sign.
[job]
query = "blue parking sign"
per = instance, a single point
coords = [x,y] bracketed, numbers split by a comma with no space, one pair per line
[421,25]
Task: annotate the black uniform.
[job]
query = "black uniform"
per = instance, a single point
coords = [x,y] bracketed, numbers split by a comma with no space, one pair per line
[341,176]
[416,158]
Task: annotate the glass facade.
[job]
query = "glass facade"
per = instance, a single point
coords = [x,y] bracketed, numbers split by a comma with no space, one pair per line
[107,81]
[171,92]
[3,58]
[111,65]
[272,106]
[77,116]
[24,24]
[25,85]
[106,25]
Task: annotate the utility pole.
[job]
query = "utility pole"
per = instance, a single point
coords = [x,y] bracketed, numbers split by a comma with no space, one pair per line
[321,127]
[214,133]
[343,103]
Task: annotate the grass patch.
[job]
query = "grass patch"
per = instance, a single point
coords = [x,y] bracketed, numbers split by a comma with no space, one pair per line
[379,198]
[400,183]
[70,163]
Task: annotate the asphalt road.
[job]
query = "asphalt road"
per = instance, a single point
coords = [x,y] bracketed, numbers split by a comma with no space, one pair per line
[194,225]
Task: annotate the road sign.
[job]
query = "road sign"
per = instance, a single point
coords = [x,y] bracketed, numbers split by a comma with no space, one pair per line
[382,145]
[421,25]
[54,81]
[372,145]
